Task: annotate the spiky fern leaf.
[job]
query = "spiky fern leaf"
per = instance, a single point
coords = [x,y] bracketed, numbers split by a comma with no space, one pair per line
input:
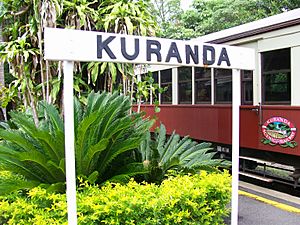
[162,154]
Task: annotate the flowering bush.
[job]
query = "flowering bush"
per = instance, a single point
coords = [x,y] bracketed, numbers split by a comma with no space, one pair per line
[184,199]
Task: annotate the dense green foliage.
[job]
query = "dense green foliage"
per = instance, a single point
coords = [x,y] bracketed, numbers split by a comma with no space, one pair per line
[215,15]
[22,24]
[37,153]
[197,199]
[208,16]
[105,135]
[162,153]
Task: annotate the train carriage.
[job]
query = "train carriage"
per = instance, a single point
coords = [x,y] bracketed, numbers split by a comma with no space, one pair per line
[197,101]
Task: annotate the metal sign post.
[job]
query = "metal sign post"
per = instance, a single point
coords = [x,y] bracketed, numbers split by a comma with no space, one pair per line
[69,142]
[76,45]
[236,102]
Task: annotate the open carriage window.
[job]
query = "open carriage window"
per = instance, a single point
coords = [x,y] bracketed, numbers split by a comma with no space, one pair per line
[276,76]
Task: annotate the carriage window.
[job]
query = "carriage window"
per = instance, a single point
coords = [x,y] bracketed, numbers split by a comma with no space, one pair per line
[202,85]
[166,82]
[223,85]
[151,77]
[247,87]
[185,85]
[276,76]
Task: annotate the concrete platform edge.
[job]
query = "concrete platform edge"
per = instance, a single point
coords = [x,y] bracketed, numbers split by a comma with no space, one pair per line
[280,200]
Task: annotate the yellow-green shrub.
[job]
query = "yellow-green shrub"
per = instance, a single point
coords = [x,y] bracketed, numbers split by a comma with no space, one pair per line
[189,199]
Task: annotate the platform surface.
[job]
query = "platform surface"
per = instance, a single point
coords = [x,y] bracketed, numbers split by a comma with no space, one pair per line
[261,206]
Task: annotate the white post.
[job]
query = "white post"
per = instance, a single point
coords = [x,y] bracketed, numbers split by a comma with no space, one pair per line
[69,142]
[175,86]
[236,102]
[159,85]
[212,80]
[193,85]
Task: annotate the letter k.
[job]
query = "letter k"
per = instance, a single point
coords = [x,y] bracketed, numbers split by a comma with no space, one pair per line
[104,45]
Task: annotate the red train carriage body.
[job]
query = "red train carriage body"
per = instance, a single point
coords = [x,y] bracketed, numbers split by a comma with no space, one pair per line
[274,87]
[213,124]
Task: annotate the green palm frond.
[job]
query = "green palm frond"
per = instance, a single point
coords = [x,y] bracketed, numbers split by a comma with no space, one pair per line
[14,185]
[52,145]
[115,150]
[52,116]
[123,174]
[92,156]
[205,146]
[33,152]
[78,112]
[14,165]
[162,153]
[39,162]
[104,131]
[82,135]
[146,146]
[23,122]
[18,138]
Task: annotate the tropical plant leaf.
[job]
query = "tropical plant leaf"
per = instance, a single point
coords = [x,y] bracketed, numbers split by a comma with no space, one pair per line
[40,164]
[23,122]
[145,148]
[14,185]
[17,138]
[128,171]
[16,166]
[116,132]
[90,159]
[93,177]
[105,130]
[53,116]
[52,146]
[161,139]
[161,154]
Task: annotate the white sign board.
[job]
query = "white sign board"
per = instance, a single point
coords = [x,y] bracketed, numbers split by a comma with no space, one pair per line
[76,45]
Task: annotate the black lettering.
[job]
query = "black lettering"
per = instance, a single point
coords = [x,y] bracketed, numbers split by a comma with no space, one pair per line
[173,52]
[104,45]
[150,44]
[224,57]
[207,48]
[136,49]
[190,53]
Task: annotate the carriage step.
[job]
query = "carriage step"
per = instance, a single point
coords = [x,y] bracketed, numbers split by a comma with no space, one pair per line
[269,180]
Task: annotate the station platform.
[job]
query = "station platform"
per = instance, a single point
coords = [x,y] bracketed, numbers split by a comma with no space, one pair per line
[261,206]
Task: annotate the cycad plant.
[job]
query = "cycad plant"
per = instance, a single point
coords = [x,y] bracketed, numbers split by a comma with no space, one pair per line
[35,152]
[161,154]
[105,135]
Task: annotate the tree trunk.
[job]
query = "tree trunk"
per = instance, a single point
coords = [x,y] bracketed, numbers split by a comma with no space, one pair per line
[2,80]
[39,34]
